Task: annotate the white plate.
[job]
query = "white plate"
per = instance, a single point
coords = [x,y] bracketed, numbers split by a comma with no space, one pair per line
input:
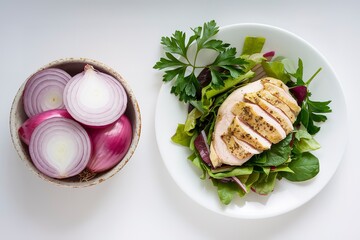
[287,195]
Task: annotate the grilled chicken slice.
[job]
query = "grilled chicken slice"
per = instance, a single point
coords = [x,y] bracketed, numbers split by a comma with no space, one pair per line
[238,148]
[275,82]
[276,102]
[276,113]
[244,133]
[283,96]
[260,121]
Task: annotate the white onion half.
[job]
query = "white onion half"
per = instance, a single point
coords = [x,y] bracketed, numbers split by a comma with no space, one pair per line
[60,147]
[94,98]
[44,91]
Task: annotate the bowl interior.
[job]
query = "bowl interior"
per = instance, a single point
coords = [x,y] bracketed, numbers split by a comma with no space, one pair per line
[74,66]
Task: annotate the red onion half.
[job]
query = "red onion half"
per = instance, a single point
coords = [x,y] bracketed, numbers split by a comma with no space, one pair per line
[44,91]
[94,98]
[110,144]
[60,147]
[28,127]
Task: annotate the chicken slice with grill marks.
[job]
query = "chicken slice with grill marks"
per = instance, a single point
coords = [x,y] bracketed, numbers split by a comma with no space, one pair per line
[260,121]
[244,133]
[276,102]
[276,113]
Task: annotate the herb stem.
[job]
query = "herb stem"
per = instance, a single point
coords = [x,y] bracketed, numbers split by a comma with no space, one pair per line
[312,77]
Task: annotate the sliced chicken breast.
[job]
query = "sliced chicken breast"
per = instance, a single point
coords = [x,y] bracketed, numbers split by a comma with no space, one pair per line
[275,82]
[283,96]
[251,119]
[239,149]
[276,102]
[260,121]
[273,111]
[244,133]
[218,149]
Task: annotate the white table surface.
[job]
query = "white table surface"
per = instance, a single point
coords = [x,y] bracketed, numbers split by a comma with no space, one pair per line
[142,201]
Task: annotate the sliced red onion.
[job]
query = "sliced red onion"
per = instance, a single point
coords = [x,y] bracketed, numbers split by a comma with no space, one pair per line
[95,98]
[241,185]
[203,148]
[44,91]
[300,93]
[60,147]
[236,180]
[110,144]
[269,55]
[28,127]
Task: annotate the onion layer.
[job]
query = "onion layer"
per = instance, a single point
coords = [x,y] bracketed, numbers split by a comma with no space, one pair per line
[94,98]
[44,91]
[28,127]
[60,147]
[203,148]
[110,144]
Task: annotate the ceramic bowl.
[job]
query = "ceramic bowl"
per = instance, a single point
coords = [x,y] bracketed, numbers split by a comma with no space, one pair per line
[74,66]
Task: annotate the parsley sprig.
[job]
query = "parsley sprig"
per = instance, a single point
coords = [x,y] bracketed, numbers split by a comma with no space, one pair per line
[177,61]
[311,111]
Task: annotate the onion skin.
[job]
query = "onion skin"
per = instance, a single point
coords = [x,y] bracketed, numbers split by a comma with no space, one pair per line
[28,127]
[110,144]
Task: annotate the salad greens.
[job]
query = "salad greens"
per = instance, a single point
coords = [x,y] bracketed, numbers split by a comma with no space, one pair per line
[291,158]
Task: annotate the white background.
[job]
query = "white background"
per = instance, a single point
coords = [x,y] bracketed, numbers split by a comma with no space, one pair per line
[142,201]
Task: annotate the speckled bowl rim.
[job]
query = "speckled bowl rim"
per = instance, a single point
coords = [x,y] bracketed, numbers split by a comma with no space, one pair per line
[136,121]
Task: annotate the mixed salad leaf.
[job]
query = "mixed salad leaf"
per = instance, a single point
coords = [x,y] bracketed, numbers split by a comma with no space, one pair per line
[291,158]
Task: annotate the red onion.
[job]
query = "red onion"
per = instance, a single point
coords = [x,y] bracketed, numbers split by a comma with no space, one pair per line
[95,98]
[269,55]
[203,148]
[300,93]
[241,185]
[60,147]
[30,124]
[110,144]
[44,91]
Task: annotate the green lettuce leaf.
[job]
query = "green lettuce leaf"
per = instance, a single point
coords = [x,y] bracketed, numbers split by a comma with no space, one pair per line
[181,137]
[190,122]
[210,92]
[278,154]
[265,184]
[276,70]
[304,141]
[305,167]
[196,160]
[237,171]
[226,191]
[253,45]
